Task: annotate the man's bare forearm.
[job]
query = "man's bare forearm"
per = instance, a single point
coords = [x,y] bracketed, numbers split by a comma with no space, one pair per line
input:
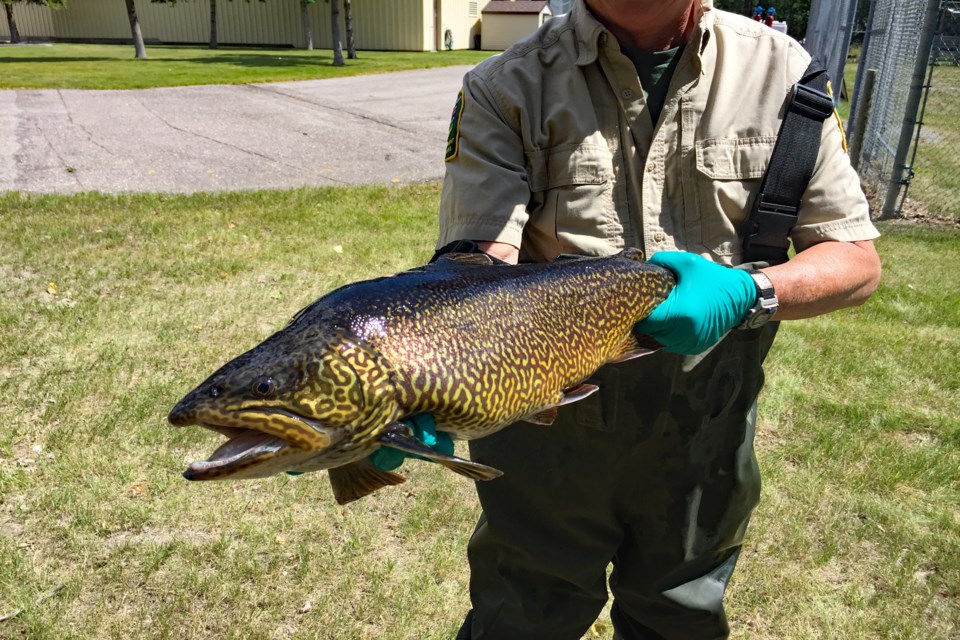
[826,277]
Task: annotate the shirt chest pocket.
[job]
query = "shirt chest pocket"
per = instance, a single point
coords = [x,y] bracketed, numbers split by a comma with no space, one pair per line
[571,208]
[727,178]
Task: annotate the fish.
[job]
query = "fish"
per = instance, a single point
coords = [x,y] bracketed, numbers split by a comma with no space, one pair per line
[477,344]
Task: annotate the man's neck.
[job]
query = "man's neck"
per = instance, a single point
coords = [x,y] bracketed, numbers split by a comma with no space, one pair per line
[650,25]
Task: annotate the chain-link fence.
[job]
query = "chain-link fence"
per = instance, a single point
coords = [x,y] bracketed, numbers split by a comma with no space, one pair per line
[905,119]
[935,187]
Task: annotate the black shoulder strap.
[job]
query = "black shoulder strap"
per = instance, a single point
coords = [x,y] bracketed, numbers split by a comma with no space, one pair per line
[775,210]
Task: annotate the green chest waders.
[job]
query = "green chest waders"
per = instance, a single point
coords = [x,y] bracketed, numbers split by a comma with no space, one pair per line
[655,472]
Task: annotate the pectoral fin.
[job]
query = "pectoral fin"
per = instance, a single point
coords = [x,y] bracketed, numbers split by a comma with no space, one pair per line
[358,479]
[398,437]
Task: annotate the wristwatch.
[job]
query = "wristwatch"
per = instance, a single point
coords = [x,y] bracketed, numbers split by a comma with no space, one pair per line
[767,304]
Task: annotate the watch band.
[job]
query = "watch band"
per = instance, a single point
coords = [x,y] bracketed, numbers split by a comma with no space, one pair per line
[767,304]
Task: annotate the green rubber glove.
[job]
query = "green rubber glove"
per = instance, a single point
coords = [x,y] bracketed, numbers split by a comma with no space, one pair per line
[708,301]
[425,430]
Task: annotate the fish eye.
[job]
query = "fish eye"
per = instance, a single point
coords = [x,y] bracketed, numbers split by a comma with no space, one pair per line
[264,386]
[214,392]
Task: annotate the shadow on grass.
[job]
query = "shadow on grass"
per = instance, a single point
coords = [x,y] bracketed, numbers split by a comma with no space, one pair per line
[235,60]
[42,59]
[260,61]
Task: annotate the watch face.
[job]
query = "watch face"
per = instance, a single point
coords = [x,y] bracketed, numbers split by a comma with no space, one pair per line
[759,318]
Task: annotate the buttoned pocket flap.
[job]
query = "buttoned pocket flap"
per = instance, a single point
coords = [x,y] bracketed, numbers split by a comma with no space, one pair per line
[569,165]
[734,158]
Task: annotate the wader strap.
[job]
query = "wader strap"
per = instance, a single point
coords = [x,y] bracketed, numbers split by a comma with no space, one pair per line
[798,143]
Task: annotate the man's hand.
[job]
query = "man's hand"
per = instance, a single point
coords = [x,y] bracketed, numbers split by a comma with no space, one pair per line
[708,301]
[425,430]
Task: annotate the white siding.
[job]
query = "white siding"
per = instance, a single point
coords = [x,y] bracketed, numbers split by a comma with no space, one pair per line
[386,25]
[500,30]
[462,18]
[33,21]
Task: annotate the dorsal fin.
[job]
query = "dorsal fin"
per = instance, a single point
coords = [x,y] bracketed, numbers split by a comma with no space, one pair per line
[466,258]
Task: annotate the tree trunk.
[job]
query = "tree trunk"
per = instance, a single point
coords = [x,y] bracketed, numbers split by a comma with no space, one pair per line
[213,24]
[335,19]
[12,23]
[348,19]
[307,25]
[141,51]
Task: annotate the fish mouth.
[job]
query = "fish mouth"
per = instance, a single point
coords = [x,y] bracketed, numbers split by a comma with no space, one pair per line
[260,443]
[244,450]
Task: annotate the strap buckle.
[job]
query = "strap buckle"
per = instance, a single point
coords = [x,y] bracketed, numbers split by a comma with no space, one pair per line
[768,237]
[811,102]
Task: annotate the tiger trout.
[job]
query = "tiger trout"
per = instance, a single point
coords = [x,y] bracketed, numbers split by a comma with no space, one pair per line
[477,345]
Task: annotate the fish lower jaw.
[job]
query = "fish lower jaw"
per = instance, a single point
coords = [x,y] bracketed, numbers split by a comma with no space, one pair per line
[239,456]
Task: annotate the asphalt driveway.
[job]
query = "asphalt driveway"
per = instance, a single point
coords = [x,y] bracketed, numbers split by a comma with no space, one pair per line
[376,129]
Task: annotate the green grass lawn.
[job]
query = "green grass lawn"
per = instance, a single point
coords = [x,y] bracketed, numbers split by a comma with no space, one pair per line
[112,307]
[110,66]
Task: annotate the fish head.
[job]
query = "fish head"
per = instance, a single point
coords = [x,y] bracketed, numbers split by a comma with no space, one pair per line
[292,399]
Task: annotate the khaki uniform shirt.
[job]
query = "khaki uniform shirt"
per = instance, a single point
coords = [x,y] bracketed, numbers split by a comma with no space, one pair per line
[551,148]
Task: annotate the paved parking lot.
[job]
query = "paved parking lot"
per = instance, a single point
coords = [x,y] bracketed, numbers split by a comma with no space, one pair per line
[373,129]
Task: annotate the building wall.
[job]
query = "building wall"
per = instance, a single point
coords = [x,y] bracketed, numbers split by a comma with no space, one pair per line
[381,25]
[500,30]
[387,25]
[462,18]
[33,21]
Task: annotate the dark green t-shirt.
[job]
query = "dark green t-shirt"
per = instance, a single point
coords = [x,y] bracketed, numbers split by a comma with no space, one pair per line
[655,68]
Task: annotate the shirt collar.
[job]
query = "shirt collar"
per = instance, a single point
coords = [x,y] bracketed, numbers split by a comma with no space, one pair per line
[593,36]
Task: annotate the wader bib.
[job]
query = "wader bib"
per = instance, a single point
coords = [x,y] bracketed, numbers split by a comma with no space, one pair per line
[655,473]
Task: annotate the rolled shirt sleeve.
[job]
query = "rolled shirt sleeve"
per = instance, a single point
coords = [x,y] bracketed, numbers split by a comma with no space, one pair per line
[485,189]
[833,207]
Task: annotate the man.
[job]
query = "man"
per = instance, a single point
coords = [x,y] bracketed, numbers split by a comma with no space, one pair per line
[644,123]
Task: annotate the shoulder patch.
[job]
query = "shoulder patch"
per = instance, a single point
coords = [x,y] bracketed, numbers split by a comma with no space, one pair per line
[836,116]
[453,137]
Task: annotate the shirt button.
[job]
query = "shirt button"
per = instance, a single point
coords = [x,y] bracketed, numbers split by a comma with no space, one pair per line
[659,236]
[627,93]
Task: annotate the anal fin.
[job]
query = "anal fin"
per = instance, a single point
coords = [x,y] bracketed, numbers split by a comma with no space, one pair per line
[358,479]
[397,436]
